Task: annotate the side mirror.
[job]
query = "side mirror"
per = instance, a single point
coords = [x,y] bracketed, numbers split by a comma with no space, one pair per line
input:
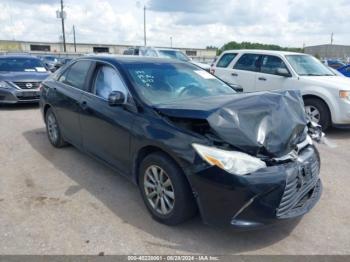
[237,88]
[283,72]
[116,98]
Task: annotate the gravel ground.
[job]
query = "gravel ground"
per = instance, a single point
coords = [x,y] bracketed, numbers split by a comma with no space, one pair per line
[60,201]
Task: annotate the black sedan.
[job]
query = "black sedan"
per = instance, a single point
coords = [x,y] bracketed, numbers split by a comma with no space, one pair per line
[188,140]
[20,77]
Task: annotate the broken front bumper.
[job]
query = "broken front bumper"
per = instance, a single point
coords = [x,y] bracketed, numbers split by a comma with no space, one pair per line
[267,196]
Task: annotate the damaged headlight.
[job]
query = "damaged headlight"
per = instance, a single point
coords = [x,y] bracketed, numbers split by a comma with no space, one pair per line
[234,162]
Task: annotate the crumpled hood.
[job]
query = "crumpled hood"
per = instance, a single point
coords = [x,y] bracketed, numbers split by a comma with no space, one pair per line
[262,123]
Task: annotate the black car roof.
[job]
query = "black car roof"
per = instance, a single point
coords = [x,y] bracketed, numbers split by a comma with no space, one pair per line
[125,59]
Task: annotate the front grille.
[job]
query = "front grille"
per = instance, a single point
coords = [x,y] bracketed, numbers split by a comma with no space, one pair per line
[298,186]
[24,98]
[27,85]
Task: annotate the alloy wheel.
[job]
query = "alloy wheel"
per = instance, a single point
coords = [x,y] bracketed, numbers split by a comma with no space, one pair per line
[313,113]
[159,190]
[52,127]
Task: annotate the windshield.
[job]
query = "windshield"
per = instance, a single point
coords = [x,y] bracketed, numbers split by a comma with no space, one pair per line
[21,65]
[159,83]
[174,55]
[305,65]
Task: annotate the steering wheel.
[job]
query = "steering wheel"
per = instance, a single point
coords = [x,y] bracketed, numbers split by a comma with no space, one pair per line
[183,90]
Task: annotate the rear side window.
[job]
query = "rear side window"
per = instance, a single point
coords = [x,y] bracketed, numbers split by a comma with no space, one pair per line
[225,60]
[270,64]
[248,62]
[76,74]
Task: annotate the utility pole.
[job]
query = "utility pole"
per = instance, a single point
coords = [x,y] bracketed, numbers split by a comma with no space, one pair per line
[63,33]
[75,43]
[332,38]
[144,25]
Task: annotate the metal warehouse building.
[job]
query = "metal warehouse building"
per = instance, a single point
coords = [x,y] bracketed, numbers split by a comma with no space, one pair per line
[83,48]
[329,51]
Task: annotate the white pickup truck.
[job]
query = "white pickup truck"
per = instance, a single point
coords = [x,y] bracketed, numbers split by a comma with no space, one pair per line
[326,94]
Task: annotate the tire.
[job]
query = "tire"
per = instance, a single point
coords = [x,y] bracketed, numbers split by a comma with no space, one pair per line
[183,203]
[53,130]
[314,104]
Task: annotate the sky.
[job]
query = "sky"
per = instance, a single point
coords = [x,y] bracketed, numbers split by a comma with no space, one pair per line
[190,23]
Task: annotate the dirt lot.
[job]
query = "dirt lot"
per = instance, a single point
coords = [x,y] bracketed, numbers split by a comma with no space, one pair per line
[63,202]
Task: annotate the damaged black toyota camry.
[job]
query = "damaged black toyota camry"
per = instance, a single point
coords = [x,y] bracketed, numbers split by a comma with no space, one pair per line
[187,139]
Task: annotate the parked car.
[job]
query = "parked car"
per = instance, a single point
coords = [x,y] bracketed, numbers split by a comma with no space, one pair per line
[132,51]
[336,71]
[61,62]
[165,52]
[335,64]
[345,70]
[50,62]
[187,139]
[20,77]
[326,95]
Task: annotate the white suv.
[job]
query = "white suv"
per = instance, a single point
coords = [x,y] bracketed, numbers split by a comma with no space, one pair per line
[326,95]
[171,53]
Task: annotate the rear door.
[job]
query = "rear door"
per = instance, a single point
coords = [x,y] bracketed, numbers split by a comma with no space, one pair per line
[66,95]
[222,68]
[244,71]
[105,128]
[267,78]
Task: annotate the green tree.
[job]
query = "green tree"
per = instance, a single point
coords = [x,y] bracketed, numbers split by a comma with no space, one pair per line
[248,45]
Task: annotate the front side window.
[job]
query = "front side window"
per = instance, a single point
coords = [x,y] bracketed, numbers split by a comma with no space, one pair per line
[248,62]
[306,65]
[160,83]
[21,65]
[108,80]
[76,74]
[225,60]
[270,64]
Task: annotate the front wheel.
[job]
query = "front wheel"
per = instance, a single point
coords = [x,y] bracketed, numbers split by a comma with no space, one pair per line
[165,190]
[318,112]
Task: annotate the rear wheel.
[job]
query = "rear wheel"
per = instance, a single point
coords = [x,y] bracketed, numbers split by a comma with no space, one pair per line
[318,112]
[165,190]
[53,129]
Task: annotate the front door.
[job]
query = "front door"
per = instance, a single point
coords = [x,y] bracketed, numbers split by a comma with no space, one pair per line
[105,128]
[268,78]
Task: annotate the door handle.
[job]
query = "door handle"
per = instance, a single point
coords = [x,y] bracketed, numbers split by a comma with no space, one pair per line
[262,78]
[83,105]
[234,74]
